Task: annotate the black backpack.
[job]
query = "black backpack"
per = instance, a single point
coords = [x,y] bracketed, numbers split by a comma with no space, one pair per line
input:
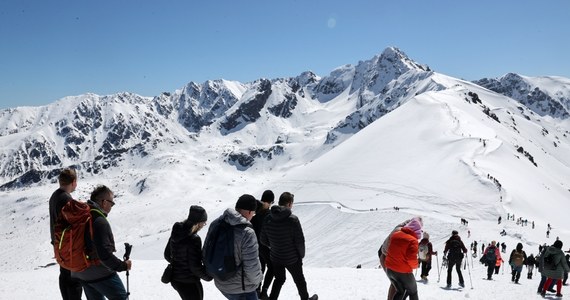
[490,255]
[219,256]
[455,250]
[549,262]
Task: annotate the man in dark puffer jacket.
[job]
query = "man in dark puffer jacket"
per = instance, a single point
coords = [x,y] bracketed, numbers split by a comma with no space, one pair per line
[283,234]
[184,252]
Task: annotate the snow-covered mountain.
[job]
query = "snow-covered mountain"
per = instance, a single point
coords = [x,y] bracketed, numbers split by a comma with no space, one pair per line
[548,95]
[351,146]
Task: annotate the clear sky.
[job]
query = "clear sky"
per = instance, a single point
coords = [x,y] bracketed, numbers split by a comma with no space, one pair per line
[53,49]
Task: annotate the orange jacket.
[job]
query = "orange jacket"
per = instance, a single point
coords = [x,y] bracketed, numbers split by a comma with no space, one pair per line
[402,254]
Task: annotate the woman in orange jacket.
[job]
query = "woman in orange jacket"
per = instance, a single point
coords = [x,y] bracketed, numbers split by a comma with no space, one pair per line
[402,259]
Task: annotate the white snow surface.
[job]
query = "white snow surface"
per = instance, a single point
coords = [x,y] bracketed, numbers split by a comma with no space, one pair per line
[430,157]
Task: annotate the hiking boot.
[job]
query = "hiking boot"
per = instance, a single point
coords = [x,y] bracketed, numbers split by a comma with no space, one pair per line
[543,293]
[448,285]
[314,297]
[461,284]
[558,295]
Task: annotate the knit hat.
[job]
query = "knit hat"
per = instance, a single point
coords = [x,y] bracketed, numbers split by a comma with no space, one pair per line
[519,246]
[416,226]
[426,235]
[197,214]
[246,202]
[268,196]
[557,244]
[454,232]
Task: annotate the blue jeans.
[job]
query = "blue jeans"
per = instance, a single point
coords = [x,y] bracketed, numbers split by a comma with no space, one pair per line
[112,288]
[245,296]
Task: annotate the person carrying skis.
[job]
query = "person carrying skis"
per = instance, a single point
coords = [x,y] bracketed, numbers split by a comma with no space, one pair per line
[517,260]
[491,256]
[454,249]
[402,259]
[424,255]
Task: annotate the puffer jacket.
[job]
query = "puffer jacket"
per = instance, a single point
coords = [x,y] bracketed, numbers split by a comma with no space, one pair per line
[246,255]
[559,264]
[283,234]
[184,252]
[402,255]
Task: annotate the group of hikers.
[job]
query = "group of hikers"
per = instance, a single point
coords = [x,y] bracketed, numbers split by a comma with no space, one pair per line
[258,239]
[263,240]
[408,246]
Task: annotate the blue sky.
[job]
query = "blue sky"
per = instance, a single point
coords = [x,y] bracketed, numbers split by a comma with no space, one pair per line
[53,49]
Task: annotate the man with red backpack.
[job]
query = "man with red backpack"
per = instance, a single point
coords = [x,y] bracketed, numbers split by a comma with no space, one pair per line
[100,279]
[70,288]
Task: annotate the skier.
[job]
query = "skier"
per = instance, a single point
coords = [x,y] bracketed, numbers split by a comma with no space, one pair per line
[454,249]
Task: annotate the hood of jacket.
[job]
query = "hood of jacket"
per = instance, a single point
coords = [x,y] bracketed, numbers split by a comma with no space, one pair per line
[180,230]
[280,213]
[233,217]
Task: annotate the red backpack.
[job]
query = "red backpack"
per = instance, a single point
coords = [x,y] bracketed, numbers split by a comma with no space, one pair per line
[69,246]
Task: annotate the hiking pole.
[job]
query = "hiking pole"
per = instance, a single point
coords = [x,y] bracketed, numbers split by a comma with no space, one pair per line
[441,269]
[469,271]
[128,248]
[437,262]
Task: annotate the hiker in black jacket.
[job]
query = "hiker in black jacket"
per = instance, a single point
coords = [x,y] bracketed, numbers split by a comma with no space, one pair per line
[530,262]
[70,288]
[283,234]
[184,253]
[101,280]
[267,199]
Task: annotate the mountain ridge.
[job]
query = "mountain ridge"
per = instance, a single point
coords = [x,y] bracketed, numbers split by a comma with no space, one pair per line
[262,120]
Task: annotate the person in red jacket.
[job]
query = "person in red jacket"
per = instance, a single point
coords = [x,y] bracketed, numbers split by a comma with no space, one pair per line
[402,259]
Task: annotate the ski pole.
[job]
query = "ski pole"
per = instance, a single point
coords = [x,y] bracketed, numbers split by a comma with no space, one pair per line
[128,248]
[437,262]
[441,269]
[470,280]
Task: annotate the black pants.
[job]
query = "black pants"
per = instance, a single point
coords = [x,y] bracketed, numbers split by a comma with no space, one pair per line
[426,266]
[457,264]
[265,261]
[70,288]
[490,270]
[189,290]
[296,271]
[405,284]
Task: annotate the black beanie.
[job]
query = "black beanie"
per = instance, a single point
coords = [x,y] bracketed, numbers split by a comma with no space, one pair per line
[268,196]
[197,214]
[557,244]
[246,202]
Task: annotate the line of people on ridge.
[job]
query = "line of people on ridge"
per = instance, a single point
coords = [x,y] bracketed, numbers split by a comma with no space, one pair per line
[266,239]
[405,249]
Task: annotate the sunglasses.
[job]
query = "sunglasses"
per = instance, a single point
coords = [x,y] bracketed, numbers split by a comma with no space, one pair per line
[110,201]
